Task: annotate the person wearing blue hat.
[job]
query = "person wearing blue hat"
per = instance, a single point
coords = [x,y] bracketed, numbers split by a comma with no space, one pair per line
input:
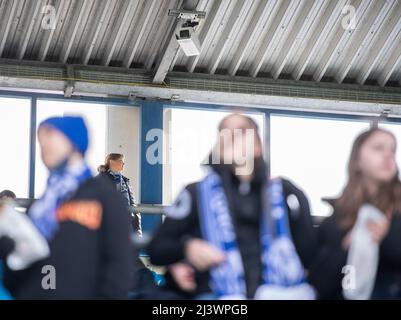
[84,219]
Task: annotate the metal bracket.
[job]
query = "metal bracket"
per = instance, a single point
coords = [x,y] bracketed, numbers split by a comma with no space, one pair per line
[69,89]
[187,14]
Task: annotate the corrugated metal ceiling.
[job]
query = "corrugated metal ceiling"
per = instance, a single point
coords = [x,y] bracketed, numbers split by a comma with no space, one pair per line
[277,39]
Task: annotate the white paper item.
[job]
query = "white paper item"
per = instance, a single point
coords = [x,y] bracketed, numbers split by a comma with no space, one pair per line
[271,292]
[30,245]
[363,255]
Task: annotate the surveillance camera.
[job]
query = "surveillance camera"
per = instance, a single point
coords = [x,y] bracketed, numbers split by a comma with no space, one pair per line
[188,41]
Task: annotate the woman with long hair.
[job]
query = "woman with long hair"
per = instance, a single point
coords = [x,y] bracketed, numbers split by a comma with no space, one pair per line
[369,208]
[112,169]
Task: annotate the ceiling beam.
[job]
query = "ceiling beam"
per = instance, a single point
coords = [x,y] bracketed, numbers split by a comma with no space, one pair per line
[161,41]
[264,93]
[170,51]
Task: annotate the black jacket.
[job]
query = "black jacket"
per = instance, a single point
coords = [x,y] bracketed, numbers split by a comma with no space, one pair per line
[167,246]
[7,246]
[136,218]
[326,275]
[91,251]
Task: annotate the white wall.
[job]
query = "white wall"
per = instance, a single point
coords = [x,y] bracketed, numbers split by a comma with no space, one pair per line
[123,136]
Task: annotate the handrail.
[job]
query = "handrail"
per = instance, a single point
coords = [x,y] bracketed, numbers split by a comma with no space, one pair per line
[140,208]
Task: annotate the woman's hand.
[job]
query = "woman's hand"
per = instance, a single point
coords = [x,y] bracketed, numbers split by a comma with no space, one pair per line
[202,255]
[378,230]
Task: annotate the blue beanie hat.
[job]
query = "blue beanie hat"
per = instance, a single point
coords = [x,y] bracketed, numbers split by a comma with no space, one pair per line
[74,128]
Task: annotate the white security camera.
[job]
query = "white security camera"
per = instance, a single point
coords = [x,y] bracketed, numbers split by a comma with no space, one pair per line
[188,40]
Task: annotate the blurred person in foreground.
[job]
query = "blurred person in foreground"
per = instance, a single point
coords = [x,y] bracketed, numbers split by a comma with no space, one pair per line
[359,245]
[83,219]
[237,234]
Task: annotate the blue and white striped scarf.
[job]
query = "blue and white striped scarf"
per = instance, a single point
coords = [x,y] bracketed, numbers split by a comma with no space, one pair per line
[121,185]
[282,267]
[61,184]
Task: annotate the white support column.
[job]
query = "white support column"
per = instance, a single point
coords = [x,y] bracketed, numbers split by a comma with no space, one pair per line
[123,136]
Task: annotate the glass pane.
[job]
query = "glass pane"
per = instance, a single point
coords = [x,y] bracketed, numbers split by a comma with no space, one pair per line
[14,131]
[95,116]
[396,130]
[313,154]
[193,134]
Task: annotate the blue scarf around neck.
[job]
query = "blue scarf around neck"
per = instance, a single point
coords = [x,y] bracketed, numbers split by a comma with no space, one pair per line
[281,265]
[61,185]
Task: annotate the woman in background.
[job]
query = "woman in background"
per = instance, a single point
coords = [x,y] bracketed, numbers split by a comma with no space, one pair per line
[112,169]
[373,182]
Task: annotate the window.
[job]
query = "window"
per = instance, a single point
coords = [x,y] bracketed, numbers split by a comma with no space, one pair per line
[95,116]
[395,128]
[192,135]
[14,130]
[313,154]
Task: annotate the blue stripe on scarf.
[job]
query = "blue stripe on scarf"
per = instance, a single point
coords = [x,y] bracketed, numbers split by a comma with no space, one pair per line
[217,228]
[61,185]
[121,185]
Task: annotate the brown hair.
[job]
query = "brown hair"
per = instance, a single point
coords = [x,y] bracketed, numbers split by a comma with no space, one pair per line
[388,198]
[111,156]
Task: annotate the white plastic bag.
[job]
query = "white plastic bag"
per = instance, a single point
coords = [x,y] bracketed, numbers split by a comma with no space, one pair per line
[363,255]
[30,245]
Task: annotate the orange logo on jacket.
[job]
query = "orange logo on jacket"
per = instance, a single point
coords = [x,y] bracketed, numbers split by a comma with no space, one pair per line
[86,213]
